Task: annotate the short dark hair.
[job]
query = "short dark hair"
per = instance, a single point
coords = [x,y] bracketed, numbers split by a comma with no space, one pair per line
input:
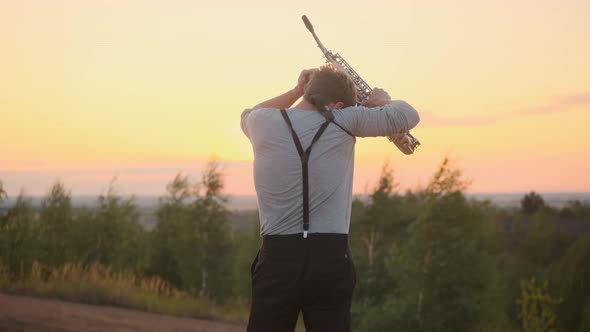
[330,85]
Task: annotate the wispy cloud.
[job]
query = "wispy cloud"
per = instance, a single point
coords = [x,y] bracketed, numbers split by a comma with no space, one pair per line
[562,103]
[140,179]
[430,119]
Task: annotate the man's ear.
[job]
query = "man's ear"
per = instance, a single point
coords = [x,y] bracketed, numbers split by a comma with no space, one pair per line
[338,105]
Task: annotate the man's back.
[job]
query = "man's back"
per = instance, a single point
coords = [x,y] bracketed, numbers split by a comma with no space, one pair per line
[278,171]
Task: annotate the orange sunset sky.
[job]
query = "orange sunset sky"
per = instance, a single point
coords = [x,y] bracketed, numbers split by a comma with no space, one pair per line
[140,90]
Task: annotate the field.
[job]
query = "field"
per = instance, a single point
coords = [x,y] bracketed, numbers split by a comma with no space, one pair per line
[20,313]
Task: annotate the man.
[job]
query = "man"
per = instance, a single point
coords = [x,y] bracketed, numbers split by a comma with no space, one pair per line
[303,169]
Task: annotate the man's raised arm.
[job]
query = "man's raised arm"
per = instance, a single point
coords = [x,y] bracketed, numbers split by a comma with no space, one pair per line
[285,100]
[379,116]
[289,98]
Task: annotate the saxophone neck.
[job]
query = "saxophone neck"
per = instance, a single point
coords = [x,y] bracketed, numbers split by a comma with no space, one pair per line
[321,46]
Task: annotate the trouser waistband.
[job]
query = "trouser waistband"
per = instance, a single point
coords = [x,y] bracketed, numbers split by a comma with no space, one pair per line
[298,236]
[316,241]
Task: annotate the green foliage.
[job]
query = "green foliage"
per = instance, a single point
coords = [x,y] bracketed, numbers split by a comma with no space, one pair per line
[585,319]
[531,203]
[246,245]
[574,274]
[575,209]
[169,235]
[446,180]
[116,238]
[536,307]
[214,235]
[4,276]
[447,274]
[18,236]
[57,225]
[541,240]
[438,264]
[374,225]
[191,244]
[429,260]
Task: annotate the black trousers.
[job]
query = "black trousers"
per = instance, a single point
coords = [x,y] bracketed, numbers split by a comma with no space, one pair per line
[314,275]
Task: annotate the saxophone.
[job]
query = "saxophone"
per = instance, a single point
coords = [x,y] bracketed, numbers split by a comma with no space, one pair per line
[405,142]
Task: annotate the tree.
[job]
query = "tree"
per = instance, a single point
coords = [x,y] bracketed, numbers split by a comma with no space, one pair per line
[541,240]
[449,285]
[56,226]
[445,272]
[246,244]
[585,323]
[113,235]
[191,244]
[378,214]
[531,203]
[536,306]
[446,180]
[214,234]
[375,226]
[18,236]
[173,237]
[574,273]
[575,209]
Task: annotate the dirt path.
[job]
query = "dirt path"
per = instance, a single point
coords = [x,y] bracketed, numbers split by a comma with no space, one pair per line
[20,313]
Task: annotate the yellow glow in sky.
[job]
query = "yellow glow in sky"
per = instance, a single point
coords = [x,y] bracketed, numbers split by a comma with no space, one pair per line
[143,89]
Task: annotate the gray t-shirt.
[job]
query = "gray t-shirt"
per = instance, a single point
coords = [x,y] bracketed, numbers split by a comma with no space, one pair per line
[277,166]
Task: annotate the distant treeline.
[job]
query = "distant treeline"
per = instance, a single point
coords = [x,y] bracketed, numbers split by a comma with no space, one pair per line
[426,260]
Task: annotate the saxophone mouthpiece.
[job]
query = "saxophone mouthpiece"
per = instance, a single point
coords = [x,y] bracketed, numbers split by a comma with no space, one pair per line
[307,23]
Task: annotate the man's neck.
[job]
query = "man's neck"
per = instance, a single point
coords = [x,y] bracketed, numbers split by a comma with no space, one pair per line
[305,105]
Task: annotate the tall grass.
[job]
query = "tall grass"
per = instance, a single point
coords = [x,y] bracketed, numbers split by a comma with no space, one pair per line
[99,284]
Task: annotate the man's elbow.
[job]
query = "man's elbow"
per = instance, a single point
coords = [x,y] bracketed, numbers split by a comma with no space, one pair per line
[412,116]
[244,120]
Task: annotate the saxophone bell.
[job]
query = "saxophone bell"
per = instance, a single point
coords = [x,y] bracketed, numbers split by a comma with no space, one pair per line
[405,142]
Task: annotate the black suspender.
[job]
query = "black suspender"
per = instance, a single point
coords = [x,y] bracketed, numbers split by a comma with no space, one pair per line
[304,156]
[330,117]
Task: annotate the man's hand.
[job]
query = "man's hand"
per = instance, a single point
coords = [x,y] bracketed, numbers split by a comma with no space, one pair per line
[304,77]
[377,98]
[288,98]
